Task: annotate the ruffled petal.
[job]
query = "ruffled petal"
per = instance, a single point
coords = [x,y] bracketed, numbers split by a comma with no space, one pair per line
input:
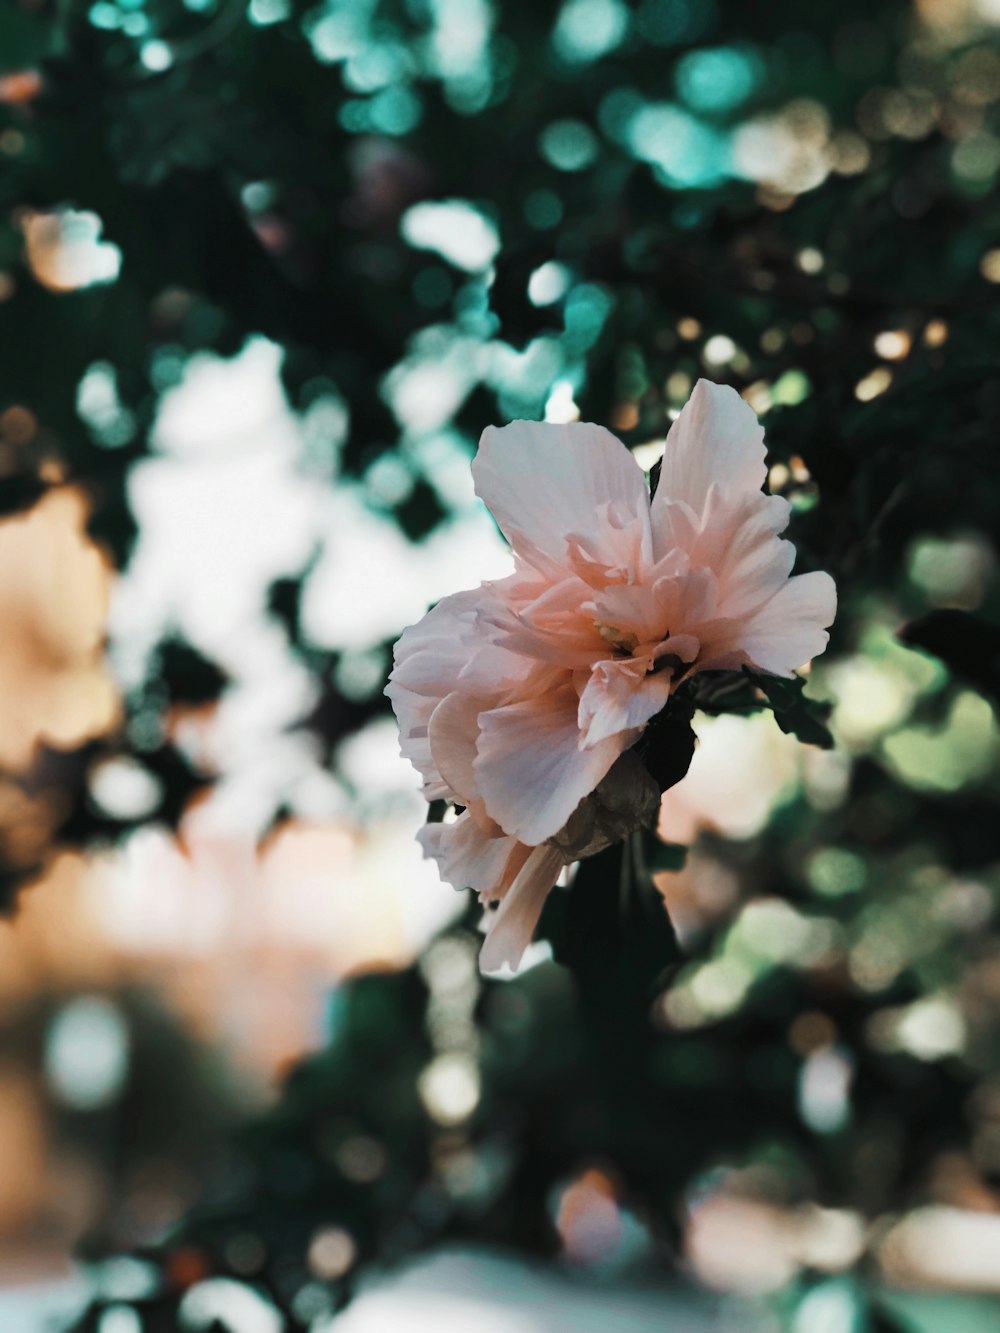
[790,629]
[548,627]
[543,482]
[510,928]
[616,547]
[452,733]
[530,770]
[468,858]
[428,658]
[620,696]
[413,713]
[445,650]
[627,616]
[494,669]
[429,655]
[716,439]
[755,567]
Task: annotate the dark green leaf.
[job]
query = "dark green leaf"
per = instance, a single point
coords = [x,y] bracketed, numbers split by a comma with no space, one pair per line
[284,599]
[661,856]
[26,37]
[881,1320]
[20,493]
[718,692]
[190,677]
[654,476]
[794,713]
[968,646]
[612,928]
[667,745]
[421,512]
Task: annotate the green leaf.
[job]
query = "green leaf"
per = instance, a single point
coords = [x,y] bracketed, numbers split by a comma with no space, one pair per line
[794,713]
[968,646]
[25,38]
[654,477]
[611,927]
[189,676]
[20,493]
[880,1320]
[718,692]
[667,745]
[661,856]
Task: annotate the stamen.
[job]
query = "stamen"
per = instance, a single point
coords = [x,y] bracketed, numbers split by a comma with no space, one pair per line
[619,639]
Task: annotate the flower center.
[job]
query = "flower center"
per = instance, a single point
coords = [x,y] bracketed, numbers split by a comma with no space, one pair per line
[623,642]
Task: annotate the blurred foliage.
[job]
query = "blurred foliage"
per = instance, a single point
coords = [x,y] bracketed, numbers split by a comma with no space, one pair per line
[132,1101]
[587,206]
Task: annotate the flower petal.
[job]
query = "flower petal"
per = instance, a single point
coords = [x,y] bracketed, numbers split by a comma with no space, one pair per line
[790,629]
[444,650]
[429,655]
[547,625]
[510,928]
[716,439]
[628,615]
[413,713]
[428,658]
[620,695]
[468,858]
[756,562]
[530,770]
[543,481]
[738,540]
[452,733]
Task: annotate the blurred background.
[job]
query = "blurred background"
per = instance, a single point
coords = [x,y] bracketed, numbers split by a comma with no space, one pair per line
[267,270]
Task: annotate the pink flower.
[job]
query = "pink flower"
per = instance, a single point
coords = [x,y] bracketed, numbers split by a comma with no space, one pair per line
[515,700]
